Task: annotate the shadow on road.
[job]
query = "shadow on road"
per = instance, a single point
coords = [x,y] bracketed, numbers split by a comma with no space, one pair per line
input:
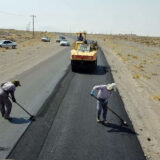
[99,70]
[119,128]
[19,120]
[3,148]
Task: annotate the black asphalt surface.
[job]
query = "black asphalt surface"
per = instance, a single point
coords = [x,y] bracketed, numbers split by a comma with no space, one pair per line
[66,127]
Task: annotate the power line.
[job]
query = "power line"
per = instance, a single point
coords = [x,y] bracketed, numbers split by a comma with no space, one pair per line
[14,14]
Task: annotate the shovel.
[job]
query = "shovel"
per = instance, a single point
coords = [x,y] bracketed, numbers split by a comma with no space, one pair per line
[32,118]
[123,123]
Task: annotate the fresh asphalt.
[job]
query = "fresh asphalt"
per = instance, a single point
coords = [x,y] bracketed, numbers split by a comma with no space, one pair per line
[37,84]
[66,127]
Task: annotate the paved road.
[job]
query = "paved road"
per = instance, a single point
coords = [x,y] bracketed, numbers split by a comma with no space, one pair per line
[66,125]
[37,84]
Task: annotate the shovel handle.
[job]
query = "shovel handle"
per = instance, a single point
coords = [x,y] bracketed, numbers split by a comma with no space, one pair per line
[23,108]
[109,109]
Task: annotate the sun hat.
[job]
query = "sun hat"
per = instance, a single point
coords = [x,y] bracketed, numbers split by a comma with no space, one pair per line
[111,86]
[16,82]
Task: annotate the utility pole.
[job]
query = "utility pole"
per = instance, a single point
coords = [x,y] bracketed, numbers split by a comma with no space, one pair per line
[33,16]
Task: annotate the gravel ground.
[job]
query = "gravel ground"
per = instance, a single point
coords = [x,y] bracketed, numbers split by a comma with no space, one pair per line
[135,67]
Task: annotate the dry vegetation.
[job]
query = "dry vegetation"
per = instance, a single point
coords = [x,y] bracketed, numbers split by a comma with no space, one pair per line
[141,54]
[23,38]
[136,62]
[29,52]
[150,41]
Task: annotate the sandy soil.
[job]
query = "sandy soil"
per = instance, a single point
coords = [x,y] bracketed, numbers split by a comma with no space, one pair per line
[135,66]
[28,53]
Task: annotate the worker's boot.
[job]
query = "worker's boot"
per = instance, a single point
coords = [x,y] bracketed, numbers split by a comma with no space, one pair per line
[2,113]
[105,121]
[98,120]
[7,117]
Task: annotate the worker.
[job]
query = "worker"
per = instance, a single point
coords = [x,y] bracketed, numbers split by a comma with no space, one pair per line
[80,38]
[104,93]
[7,89]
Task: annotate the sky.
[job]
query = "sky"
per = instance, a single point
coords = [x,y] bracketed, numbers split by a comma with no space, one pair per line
[141,17]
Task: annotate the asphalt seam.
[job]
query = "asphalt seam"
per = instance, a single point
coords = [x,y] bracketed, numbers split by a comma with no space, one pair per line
[43,112]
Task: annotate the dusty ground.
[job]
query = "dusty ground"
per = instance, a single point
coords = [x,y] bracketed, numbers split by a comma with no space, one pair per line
[135,64]
[29,52]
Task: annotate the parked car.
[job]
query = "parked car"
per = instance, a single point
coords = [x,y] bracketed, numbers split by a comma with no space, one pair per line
[64,42]
[45,39]
[60,38]
[7,44]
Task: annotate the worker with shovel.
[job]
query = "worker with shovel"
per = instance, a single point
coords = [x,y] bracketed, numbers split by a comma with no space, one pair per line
[104,93]
[5,103]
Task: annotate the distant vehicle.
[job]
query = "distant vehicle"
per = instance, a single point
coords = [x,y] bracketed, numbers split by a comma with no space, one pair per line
[64,42]
[60,38]
[45,39]
[7,44]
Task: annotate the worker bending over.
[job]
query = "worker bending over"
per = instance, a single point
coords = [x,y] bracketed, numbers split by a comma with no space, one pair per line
[104,93]
[7,89]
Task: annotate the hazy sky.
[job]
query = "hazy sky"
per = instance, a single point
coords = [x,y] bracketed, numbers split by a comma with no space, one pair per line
[140,17]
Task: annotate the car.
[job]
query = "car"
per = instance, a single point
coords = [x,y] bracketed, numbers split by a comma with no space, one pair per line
[45,39]
[7,44]
[64,42]
[60,38]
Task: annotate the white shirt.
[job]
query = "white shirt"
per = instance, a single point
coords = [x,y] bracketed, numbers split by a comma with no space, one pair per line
[9,87]
[102,92]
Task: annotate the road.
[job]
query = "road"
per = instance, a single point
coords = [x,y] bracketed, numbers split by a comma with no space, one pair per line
[37,84]
[66,126]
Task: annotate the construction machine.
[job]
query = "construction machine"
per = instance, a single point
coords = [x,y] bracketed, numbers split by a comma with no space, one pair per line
[83,53]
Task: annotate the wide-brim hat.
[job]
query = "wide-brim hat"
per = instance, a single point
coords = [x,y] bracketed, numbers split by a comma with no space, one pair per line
[111,86]
[16,82]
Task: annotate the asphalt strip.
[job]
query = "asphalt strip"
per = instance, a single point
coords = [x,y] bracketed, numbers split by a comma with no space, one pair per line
[32,141]
[34,137]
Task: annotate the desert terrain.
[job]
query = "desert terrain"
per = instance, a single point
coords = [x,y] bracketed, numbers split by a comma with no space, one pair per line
[28,53]
[135,65]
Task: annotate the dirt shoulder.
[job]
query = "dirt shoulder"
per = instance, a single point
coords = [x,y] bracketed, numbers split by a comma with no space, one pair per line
[28,54]
[135,67]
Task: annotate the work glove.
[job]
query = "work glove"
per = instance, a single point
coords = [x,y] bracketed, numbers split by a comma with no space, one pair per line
[105,102]
[91,93]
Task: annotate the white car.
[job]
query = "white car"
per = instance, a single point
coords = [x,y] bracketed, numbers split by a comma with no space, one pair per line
[60,38]
[7,44]
[45,39]
[64,42]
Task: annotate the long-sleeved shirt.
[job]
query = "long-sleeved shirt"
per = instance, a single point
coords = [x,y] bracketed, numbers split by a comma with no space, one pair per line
[9,87]
[103,93]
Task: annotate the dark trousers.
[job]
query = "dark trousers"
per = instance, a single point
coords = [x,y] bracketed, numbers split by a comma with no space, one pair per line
[5,104]
[101,107]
